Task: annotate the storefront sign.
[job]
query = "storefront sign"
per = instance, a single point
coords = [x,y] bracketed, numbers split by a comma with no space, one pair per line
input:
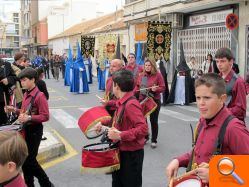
[209,18]
[141,32]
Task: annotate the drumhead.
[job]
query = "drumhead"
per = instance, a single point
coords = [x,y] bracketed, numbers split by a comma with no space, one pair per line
[100,146]
[90,119]
[189,183]
[10,127]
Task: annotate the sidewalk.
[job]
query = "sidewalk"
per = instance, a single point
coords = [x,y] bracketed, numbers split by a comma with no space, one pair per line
[50,148]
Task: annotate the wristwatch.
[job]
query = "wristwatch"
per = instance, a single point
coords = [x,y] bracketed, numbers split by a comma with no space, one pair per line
[29,118]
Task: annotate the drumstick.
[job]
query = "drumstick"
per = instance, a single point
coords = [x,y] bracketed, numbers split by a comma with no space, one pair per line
[192,172]
[171,182]
[5,103]
[105,128]
[147,88]
[100,98]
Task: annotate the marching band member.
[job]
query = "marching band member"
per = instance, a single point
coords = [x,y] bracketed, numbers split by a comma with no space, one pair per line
[133,67]
[109,98]
[150,77]
[235,85]
[130,129]
[36,106]
[210,96]
[13,151]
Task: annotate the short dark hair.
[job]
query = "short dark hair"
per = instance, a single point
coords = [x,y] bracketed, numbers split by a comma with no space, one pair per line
[132,55]
[212,80]
[124,79]
[224,53]
[29,73]
[18,56]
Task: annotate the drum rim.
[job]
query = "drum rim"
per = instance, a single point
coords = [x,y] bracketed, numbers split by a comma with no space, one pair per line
[91,125]
[181,179]
[17,128]
[110,147]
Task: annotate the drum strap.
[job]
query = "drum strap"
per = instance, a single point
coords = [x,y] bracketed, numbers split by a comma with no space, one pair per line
[218,143]
[119,118]
[229,88]
[30,106]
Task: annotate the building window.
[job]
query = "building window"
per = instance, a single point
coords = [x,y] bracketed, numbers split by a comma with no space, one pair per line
[16,15]
[16,20]
[16,38]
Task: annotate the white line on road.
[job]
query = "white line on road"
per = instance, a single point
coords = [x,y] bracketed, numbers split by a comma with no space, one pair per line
[189,108]
[177,115]
[64,118]
[84,109]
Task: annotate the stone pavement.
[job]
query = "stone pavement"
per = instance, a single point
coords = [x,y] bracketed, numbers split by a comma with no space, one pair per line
[50,148]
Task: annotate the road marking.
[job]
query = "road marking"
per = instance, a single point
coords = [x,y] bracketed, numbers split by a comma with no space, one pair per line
[51,90]
[70,152]
[57,98]
[66,106]
[177,115]
[189,108]
[64,118]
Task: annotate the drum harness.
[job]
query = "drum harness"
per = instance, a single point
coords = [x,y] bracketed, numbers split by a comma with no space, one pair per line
[117,120]
[28,111]
[218,144]
[229,88]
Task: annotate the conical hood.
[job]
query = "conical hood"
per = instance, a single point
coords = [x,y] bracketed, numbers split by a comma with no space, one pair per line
[118,56]
[182,66]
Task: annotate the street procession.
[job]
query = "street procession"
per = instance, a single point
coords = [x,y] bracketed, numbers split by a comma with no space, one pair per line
[124,93]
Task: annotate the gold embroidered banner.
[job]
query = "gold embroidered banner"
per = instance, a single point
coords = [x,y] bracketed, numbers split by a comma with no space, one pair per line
[159,40]
[87,46]
[107,47]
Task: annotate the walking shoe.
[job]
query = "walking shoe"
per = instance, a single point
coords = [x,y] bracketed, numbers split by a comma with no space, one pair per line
[153,145]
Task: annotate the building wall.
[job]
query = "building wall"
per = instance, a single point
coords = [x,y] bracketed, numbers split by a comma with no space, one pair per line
[43,33]
[58,45]
[243,21]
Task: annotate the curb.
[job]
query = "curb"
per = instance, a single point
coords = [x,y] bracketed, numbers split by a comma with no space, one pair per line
[50,148]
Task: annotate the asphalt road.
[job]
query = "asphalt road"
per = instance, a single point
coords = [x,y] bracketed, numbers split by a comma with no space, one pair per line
[65,109]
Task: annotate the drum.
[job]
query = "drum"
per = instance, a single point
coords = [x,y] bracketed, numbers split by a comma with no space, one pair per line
[90,118]
[10,127]
[148,106]
[188,181]
[100,158]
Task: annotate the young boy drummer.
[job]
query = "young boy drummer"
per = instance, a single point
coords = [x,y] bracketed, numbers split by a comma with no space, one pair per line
[211,96]
[33,113]
[130,129]
[13,151]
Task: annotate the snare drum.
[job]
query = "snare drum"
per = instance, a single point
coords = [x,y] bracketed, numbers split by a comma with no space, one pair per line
[148,106]
[188,181]
[90,118]
[100,158]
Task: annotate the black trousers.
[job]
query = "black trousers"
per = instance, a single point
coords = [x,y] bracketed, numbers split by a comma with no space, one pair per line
[31,168]
[3,117]
[130,173]
[154,121]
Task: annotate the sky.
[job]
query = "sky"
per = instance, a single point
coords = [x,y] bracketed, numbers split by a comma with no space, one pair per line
[105,6]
